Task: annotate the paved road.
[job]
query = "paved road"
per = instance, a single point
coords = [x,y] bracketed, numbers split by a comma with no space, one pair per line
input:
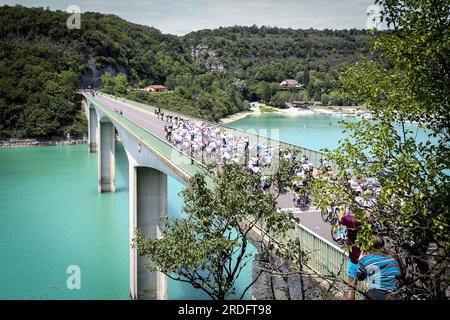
[147,120]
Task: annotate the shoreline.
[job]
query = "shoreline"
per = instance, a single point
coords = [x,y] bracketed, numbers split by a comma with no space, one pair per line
[240,115]
[295,112]
[23,143]
[339,110]
[329,110]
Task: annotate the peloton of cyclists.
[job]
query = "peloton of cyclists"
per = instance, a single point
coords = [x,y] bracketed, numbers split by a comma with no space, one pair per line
[301,181]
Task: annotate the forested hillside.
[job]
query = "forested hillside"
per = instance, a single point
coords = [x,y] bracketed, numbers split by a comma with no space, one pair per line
[43,63]
[266,56]
[210,73]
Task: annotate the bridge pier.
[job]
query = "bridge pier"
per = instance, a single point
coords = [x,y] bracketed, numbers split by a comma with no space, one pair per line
[92,130]
[106,157]
[148,202]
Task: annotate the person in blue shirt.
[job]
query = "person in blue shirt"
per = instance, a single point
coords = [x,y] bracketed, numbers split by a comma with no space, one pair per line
[381,271]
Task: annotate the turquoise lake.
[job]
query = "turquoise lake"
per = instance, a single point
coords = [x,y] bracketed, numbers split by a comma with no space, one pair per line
[52,216]
[315,132]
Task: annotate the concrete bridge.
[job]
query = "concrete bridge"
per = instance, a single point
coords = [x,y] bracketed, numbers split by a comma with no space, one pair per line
[151,159]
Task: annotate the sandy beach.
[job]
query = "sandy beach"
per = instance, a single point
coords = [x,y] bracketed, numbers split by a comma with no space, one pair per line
[295,112]
[349,110]
[316,109]
[255,110]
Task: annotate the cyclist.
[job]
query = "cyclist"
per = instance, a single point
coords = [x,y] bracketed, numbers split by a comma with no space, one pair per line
[169,132]
[166,129]
[304,159]
[305,167]
[347,177]
[296,188]
[324,164]
[330,172]
[299,184]
[265,183]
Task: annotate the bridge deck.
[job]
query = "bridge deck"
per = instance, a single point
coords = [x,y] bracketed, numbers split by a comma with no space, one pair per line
[148,121]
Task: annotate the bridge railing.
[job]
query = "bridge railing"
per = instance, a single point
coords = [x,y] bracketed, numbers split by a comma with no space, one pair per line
[323,257]
[264,139]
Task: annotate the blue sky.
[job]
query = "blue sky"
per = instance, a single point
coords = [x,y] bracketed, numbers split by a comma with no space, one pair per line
[182,16]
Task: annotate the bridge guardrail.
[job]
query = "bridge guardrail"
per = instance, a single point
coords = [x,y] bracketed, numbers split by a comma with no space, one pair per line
[323,257]
[326,258]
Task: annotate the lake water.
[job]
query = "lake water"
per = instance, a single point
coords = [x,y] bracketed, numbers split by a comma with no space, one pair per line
[315,131]
[309,131]
[52,216]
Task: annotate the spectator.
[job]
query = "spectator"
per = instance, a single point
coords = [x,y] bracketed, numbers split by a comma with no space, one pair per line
[352,226]
[381,271]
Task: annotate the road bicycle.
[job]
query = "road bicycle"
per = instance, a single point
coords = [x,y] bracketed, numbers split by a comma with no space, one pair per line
[302,200]
[339,233]
[330,214]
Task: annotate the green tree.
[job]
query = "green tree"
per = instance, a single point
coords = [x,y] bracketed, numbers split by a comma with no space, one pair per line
[280,99]
[108,82]
[305,78]
[325,98]
[209,249]
[120,84]
[411,210]
[116,85]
